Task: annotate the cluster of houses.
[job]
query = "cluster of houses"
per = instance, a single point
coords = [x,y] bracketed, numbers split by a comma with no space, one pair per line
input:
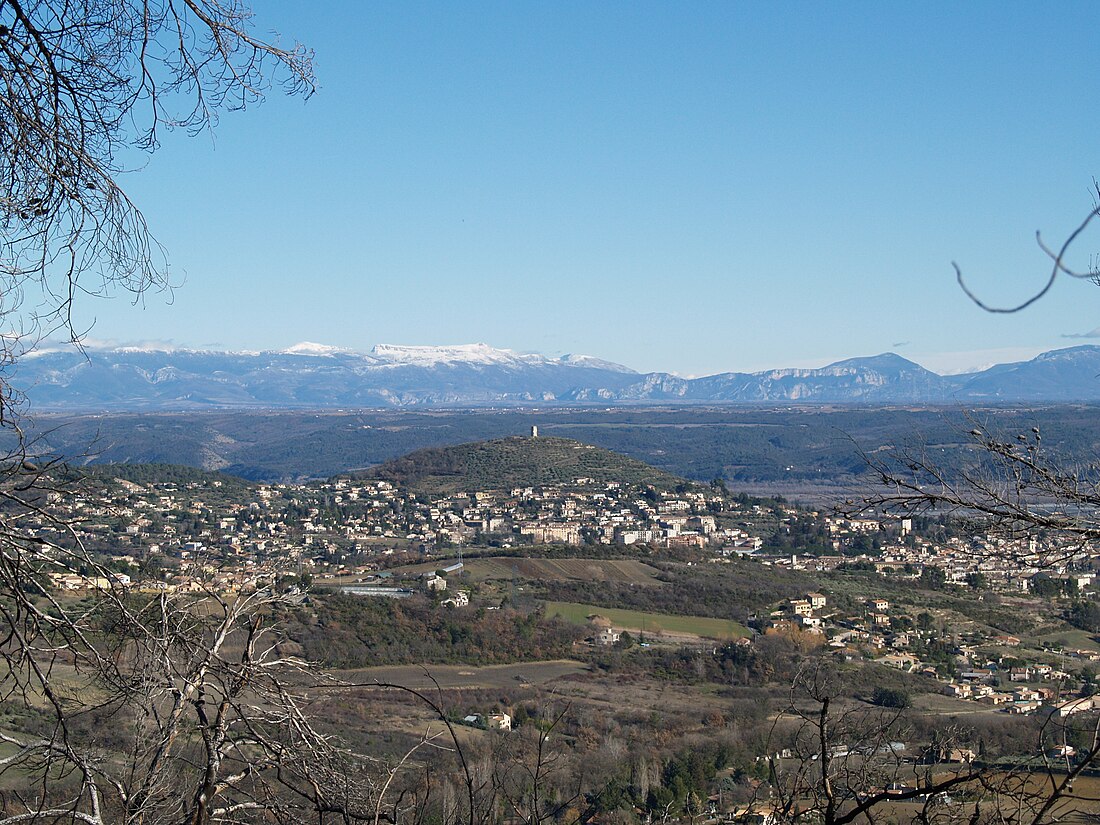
[1000,565]
[587,511]
[979,670]
[813,614]
[209,534]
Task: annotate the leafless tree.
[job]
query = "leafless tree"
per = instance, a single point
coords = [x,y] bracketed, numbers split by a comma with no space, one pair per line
[1025,503]
[155,708]
[1059,265]
[83,86]
[536,779]
[174,709]
[524,775]
[845,764]
[180,708]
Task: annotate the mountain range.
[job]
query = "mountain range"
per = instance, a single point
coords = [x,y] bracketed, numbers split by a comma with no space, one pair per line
[314,376]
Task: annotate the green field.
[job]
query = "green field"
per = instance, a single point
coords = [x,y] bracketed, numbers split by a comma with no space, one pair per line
[507,568]
[1071,637]
[650,622]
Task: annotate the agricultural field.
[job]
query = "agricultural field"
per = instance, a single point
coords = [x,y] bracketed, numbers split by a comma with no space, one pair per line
[465,676]
[1080,808]
[625,571]
[656,624]
[935,704]
[1067,637]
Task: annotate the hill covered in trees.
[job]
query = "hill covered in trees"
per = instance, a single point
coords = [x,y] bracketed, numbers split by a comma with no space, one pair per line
[516,462]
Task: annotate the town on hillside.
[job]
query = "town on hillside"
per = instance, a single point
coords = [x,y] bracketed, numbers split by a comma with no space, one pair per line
[204,532]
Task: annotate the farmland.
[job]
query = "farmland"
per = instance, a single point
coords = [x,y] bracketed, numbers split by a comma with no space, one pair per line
[654,623]
[497,568]
[464,676]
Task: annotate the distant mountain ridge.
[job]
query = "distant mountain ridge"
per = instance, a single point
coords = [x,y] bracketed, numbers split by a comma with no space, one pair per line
[316,376]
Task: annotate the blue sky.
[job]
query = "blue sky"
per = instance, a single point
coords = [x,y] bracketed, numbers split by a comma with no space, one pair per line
[688,187]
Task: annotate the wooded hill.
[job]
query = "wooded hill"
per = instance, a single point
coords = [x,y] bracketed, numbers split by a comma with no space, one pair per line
[505,463]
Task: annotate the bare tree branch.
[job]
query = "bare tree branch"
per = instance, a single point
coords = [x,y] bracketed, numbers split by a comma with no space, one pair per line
[1058,267]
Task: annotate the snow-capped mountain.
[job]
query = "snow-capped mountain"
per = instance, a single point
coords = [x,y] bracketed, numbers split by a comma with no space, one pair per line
[316,376]
[464,354]
[310,348]
[306,375]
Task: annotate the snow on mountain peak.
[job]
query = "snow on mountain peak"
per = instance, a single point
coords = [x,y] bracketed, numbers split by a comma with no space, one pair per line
[425,356]
[481,355]
[593,363]
[311,348]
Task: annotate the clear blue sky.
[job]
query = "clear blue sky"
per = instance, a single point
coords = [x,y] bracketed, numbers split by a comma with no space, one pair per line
[688,187]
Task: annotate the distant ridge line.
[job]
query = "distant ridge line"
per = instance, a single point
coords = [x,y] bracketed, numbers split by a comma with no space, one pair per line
[317,376]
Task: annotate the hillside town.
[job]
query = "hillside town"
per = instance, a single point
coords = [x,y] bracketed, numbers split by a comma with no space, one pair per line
[797,295]
[211,533]
[988,669]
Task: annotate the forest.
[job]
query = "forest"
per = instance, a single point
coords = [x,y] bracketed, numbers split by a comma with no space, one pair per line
[806,445]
